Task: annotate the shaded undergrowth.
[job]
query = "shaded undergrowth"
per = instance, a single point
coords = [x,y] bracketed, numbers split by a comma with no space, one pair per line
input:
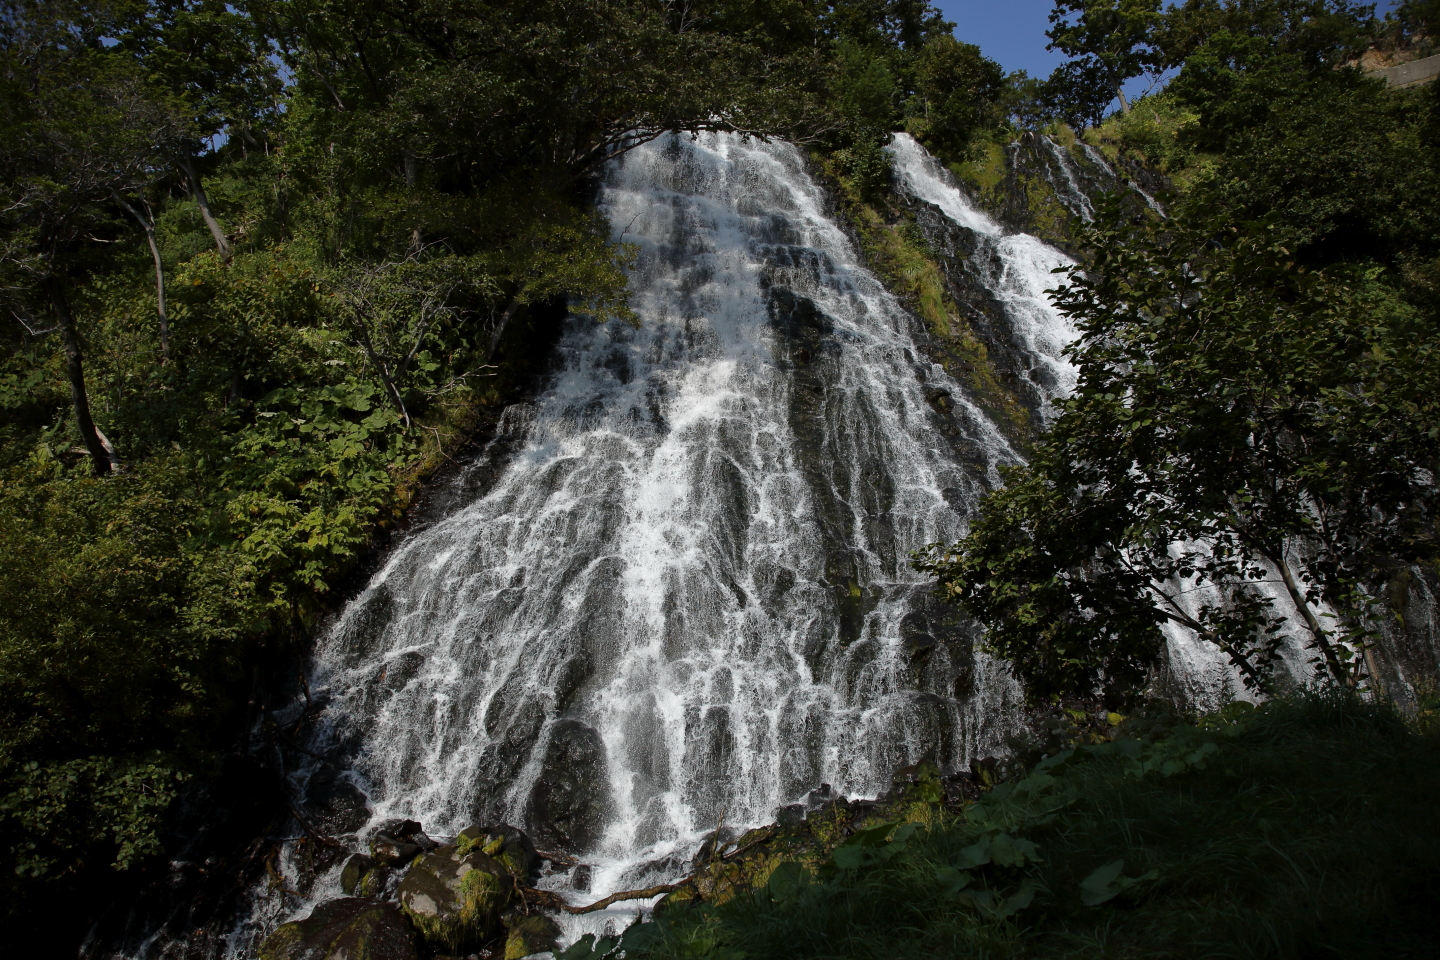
[1306,828]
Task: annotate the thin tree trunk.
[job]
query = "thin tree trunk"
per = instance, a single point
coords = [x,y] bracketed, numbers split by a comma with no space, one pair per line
[412,176]
[203,202]
[147,223]
[505,317]
[1377,685]
[1297,596]
[381,368]
[75,371]
[1124,104]
[237,384]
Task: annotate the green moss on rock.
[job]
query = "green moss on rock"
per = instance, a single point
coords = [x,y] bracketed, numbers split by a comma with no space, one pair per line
[455,900]
[527,935]
[350,929]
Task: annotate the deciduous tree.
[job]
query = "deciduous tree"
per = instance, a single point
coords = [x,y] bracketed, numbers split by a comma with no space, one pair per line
[1250,453]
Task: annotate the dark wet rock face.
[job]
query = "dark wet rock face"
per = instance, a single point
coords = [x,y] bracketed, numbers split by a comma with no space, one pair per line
[351,929]
[570,802]
[333,803]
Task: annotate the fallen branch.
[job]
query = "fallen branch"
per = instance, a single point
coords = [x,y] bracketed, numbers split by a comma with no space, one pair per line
[548,898]
[767,835]
[314,834]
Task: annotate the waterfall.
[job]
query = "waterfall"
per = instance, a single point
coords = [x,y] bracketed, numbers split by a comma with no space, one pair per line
[1200,674]
[1024,269]
[686,597]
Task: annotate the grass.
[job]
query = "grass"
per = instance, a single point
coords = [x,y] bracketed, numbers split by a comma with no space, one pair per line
[1306,829]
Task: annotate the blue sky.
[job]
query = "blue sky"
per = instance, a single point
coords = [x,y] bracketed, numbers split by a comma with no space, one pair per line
[1012,32]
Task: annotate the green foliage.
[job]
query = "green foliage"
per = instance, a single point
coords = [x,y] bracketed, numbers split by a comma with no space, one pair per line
[1332,154]
[1302,829]
[73,808]
[959,97]
[1108,42]
[1239,421]
[1154,133]
[1421,16]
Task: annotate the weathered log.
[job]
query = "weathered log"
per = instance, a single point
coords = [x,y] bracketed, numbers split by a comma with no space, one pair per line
[553,900]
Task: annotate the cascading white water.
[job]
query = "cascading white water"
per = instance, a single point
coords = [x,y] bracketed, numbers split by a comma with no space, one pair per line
[682,601]
[1203,674]
[1027,267]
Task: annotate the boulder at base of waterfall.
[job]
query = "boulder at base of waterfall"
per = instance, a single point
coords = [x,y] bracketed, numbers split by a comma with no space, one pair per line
[393,853]
[363,876]
[349,929]
[333,803]
[455,899]
[570,802]
[406,831]
[531,934]
[505,843]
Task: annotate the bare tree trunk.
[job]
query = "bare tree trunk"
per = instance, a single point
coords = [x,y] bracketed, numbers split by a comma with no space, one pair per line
[505,317]
[1124,104]
[1297,596]
[147,223]
[412,176]
[75,371]
[381,368]
[203,202]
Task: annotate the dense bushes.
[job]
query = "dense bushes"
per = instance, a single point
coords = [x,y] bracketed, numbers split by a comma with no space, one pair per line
[1299,829]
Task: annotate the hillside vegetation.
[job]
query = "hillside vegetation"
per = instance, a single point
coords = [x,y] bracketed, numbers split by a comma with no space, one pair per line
[1300,829]
[268,265]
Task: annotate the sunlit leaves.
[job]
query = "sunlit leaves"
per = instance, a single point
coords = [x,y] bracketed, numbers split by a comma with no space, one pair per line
[1242,429]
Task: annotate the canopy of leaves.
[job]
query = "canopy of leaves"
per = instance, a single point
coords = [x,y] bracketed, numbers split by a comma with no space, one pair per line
[1251,447]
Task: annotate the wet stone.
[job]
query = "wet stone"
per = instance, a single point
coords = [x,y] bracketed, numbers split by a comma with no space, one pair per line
[527,935]
[349,929]
[790,814]
[312,861]
[406,831]
[508,845]
[454,899]
[394,853]
[570,802]
[363,876]
[333,803]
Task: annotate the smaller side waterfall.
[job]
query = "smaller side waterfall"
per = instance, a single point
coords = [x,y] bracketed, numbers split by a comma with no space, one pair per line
[1015,269]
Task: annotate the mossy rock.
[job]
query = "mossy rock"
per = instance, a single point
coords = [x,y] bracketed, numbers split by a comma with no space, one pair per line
[362,876]
[506,844]
[528,935]
[350,929]
[455,900]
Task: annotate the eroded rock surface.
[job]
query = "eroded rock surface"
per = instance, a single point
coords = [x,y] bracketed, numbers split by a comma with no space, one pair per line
[355,928]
